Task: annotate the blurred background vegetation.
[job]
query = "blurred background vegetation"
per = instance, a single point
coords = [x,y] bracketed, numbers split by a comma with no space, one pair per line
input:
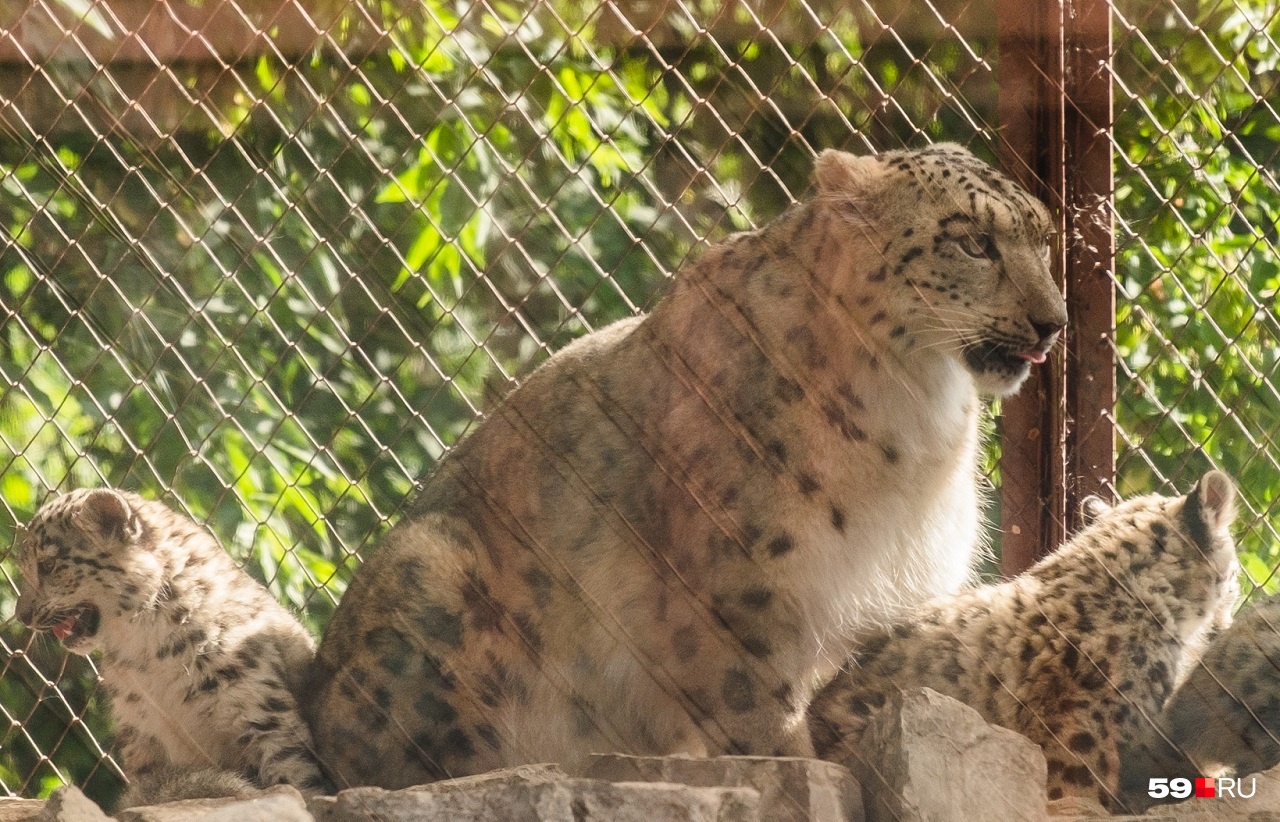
[273,290]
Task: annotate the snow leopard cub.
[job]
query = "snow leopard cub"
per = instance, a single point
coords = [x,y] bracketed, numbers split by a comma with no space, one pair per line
[202,665]
[1224,717]
[1074,654]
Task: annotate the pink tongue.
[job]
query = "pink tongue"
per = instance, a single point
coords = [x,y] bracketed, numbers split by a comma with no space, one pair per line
[1034,356]
[64,628]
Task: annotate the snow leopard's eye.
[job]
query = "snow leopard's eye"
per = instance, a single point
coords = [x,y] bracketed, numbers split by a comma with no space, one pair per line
[978,246]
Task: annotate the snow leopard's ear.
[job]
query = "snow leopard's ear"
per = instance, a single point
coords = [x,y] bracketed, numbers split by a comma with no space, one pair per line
[849,181]
[1092,507]
[1213,500]
[107,513]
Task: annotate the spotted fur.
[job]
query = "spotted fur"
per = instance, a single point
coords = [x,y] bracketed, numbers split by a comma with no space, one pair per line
[1075,654]
[1224,718]
[201,664]
[658,541]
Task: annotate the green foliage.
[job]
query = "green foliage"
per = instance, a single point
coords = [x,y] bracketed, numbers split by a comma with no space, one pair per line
[279,317]
[1198,203]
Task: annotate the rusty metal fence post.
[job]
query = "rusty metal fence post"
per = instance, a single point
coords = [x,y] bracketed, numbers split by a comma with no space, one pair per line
[1058,434]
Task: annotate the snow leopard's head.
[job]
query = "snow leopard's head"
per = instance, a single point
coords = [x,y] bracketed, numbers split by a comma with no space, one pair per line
[965,258]
[86,563]
[1174,553]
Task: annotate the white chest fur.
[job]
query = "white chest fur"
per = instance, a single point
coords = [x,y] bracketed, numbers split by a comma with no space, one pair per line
[157,702]
[910,522]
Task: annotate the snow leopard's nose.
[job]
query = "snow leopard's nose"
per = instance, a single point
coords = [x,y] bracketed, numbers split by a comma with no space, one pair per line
[1047,331]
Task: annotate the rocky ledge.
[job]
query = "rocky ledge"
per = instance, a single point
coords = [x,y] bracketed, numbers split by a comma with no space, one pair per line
[928,759]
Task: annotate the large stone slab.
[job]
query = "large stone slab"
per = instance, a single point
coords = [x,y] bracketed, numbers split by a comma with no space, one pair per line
[791,789]
[928,758]
[540,795]
[279,804]
[19,810]
[69,804]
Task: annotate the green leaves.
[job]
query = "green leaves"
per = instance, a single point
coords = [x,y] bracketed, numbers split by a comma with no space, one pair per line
[1197,327]
[280,319]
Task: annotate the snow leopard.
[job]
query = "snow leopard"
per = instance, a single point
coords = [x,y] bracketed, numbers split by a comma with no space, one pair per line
[658,541]
[201,664]
[1075,654]
[1223,719]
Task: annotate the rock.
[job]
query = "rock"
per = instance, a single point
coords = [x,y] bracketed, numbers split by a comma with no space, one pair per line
[519,775]
[19,810]
[1076,806]
[279,804]
[930,758]
[791,789]
[69,804]
[338,807]
[540,794]
[595,801]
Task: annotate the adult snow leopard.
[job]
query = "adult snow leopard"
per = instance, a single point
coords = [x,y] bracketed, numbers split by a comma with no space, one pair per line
[658,542]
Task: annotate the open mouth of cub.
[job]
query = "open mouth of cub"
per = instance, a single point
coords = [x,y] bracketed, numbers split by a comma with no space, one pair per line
[80,621]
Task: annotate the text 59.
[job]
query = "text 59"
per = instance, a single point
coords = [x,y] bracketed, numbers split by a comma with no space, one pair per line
[1159,788]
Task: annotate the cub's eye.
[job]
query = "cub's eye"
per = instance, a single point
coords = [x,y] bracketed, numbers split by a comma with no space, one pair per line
[976,245]
[46,566]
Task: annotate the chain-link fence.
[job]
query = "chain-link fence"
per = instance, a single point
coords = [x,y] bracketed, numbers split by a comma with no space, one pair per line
[267,261]
[1197,138]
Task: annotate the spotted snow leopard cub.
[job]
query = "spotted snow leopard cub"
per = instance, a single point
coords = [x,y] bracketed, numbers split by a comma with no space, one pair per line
[200,662]
[1075,653]
[656,543]
[1224,718]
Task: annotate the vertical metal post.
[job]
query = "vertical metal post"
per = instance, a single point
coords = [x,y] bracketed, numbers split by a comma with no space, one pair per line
[1089,206]
[1057,434]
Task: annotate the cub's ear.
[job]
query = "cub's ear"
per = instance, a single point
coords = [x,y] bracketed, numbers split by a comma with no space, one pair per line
[107,513]
[848,179]
[1092,507]
[1215,497]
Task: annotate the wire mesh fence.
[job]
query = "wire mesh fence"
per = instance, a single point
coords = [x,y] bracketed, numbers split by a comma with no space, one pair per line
[1196,144]
[268,261]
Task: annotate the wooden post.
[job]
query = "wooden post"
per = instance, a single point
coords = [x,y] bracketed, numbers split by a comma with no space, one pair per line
[1057,434]
[1089,192]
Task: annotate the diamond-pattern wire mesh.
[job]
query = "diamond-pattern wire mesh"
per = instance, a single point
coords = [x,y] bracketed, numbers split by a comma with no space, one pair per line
[1196,148]
[267,261]
[270,278]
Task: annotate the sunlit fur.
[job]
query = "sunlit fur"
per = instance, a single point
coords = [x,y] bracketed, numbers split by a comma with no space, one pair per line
[1076,654]
[202,665]
[1223,719]
[659,541]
